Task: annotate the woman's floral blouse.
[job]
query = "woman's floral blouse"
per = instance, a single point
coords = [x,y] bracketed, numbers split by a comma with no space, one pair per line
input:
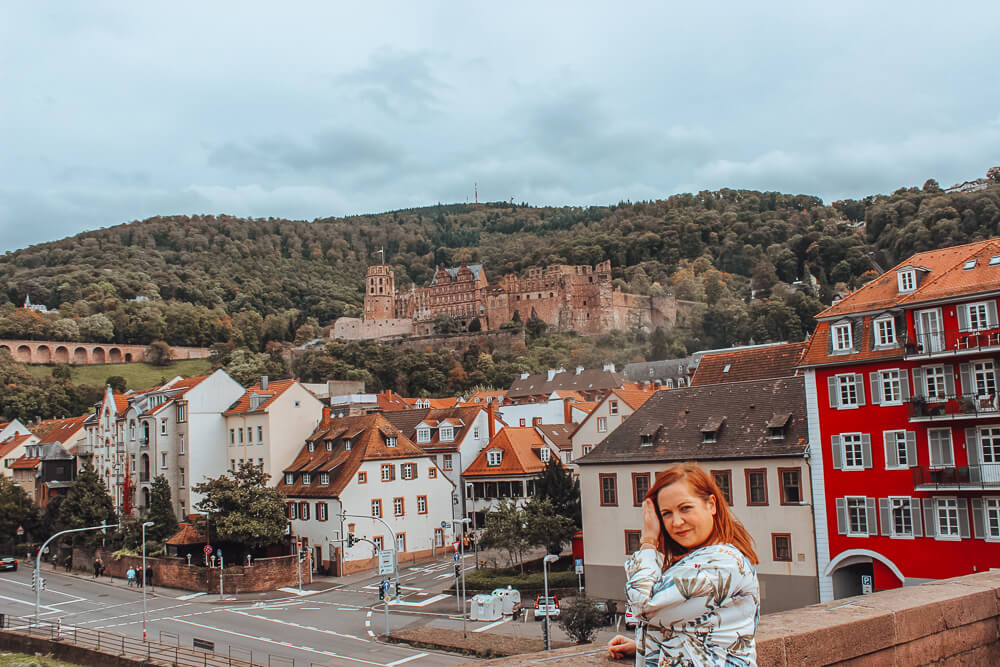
[702,611]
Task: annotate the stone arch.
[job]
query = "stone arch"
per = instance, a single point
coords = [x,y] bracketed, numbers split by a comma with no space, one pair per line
[4,348]
[23,354]
[80,355]
[98,356]
[114,356]
[128,357]
[43,354]
[847,567]
[61,355]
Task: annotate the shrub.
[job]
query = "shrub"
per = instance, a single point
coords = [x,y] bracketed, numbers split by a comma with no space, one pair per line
[580,619]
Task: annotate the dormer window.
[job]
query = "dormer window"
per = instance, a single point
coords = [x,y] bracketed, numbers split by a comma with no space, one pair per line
[885,332]
[544,454]
[289,478]
[646,440]
[446,434]
[306,479]
[709,436]
[494,457]
[776,433]
[906,280]
[969,264]
[842,340]
[324,478]
[390,441]
[255,401]
[710,431]
[423,434]
[312,447]
[329,445]
[347,444]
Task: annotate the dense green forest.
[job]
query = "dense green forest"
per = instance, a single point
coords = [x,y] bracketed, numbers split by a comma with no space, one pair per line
[758,265]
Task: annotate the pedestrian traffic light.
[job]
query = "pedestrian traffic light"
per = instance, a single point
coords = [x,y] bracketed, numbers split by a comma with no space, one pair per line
[397,589]
[381,592]
[351,540]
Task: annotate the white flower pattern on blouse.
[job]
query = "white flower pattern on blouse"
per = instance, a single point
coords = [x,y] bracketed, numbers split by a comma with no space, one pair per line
[702,611]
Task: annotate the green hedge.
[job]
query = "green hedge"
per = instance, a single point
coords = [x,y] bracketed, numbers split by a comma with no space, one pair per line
[487,580]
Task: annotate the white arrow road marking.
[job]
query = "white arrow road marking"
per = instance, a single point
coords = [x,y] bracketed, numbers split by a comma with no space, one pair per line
[400,662]
[296,625]
[422,603]
[492,625]
[190,596]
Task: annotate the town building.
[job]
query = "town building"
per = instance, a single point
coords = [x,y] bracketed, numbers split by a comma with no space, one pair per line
[506,469]
[589,385]
[751,362]
[609,414]
[13,427]
[364,467]
[752,437]
[901,384]
[668,373]
[567,298]
[267,425]
[12,448]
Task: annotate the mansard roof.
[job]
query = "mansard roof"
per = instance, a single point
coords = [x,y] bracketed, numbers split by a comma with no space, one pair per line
[672,422]
[460,418]
[586,380]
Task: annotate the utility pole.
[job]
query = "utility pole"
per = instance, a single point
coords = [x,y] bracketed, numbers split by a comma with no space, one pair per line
[41,550]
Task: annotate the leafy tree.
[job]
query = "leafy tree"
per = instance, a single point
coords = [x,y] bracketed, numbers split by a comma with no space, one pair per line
[246,367]
[545,526]
[244,510]
[86,504]
[556,484]
[159,353]
[117,383]
[581,620]
[62,372]
[658,345]
[17,509]
[504,530]
[475,325]
[445,324]
[535,326]
[161,511]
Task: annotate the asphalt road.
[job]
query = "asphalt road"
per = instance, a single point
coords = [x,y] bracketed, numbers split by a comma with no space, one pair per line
[332,626]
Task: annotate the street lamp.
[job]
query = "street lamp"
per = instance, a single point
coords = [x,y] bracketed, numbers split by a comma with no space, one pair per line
[145,584]
[549,558]
[461,566]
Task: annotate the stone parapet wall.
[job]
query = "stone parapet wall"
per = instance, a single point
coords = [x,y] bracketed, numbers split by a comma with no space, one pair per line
[949,622]
[264,574]
[66,352]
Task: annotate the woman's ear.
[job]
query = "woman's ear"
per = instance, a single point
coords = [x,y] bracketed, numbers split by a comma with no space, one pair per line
[711,504]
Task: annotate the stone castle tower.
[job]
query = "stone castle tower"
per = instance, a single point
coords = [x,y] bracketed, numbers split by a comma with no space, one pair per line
[380,293]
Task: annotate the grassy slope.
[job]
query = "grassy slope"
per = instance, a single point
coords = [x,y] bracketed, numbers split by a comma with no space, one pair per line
[138,375]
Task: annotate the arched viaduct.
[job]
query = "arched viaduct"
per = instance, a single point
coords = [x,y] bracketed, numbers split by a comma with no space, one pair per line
[62,352]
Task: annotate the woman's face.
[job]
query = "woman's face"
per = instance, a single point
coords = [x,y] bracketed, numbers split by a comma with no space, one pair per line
[688,518]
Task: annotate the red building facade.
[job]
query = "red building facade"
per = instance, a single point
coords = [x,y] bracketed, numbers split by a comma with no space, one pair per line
[901,386]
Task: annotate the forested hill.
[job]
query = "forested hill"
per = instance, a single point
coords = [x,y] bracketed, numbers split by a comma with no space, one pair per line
[218,278]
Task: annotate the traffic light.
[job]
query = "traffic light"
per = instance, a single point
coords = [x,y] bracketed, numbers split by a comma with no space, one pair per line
[43,582]
[351,540]
[397,589]
[381,591]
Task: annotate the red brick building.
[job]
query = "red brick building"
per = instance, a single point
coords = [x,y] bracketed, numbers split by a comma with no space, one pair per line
[901,387]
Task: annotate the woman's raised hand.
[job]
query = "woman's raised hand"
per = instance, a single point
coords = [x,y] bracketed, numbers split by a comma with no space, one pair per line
[620,647]
[650,522]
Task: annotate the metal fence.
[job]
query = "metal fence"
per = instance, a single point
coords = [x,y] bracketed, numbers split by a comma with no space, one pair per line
[136,649]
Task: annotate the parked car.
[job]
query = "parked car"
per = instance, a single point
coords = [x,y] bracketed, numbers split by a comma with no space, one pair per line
[8,563]
[606,608]
[546,606]
[630,618]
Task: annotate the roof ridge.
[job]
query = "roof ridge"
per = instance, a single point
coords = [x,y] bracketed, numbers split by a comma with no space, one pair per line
[952,269]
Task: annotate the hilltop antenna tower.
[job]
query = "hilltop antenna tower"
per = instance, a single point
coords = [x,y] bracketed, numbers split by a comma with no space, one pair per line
[475,188]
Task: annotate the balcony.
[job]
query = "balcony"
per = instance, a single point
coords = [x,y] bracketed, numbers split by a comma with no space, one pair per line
[143,442]
[957,478]
[922,409]
[950,343]
[85,449]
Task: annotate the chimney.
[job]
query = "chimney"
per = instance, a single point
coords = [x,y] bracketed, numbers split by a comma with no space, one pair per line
[524,376]
[326,413]
[579,369]
[551,374]
[567,411]
[492,427]
[263,383]
[609,367]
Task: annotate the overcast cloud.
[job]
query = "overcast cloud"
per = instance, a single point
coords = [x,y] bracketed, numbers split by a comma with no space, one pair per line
[114,112]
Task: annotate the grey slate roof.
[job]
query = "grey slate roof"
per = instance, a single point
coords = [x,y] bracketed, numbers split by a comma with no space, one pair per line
[535,385]
[658,371]
[674,420]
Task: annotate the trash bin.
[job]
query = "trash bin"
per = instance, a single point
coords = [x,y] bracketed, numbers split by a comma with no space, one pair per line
[486,608]
[510,599]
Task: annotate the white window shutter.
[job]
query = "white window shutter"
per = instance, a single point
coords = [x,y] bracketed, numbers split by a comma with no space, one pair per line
[904,386]
[919,389]
[965,375]
[834,391]
[949,380]
[991,313]
[842,516]
[885,516]
[915,517]
[838,453]
[972,446]
[866,450]
[930,521]
[911,449]
[978,520]
[963,318]
[872,516]
[859,386]
[876,384]
[889,442]
[963,518]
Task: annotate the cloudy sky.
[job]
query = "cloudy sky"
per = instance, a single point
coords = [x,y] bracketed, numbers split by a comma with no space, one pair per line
[112,112]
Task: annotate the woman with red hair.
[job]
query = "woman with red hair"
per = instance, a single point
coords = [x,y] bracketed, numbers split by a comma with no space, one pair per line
[692,583]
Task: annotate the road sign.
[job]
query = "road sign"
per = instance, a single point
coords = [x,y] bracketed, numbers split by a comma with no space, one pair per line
[386,585]
[866,583]
[579,566]
[456,557]
[207,549]
[298,543]
[385,560]
[20,530]
[444,525]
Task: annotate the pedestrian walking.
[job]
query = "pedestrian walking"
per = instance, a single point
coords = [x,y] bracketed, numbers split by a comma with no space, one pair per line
[68,562]
[98,566]
[149,576]
[130,575]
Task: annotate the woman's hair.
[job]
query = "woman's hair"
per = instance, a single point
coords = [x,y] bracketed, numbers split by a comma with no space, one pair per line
[727,529]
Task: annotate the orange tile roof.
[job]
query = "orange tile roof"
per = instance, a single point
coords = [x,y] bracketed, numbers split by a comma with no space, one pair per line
[367,433]
[481,396]
[275,388]
[187,535]
[585,406]
[633,397]
[817,353]
[519,446]
[24,463]
[389,400]
[59,430]
[13,442]
[944,278]
[753,363]
[121,403]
